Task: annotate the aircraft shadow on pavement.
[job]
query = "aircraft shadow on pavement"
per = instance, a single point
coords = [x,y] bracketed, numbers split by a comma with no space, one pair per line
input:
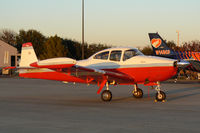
[116,99]
[177,94]
[182,90]
[182,82]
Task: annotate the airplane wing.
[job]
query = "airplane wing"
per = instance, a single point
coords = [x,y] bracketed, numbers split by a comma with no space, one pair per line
[69,66]
[98,76]
[84,72]
[90,75]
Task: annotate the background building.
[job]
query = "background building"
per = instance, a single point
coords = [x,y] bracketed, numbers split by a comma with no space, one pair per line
[8,55]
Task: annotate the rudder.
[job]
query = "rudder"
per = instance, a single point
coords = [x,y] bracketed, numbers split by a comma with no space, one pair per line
[28,55]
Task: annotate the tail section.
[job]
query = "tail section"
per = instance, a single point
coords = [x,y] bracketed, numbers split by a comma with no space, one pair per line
[159,46]
[28,55]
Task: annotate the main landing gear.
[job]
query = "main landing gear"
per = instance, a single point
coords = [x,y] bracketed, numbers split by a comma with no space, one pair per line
[106,95]
[137,92]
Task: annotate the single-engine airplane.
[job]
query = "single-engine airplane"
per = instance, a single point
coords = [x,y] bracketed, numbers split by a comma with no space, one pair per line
[113,66]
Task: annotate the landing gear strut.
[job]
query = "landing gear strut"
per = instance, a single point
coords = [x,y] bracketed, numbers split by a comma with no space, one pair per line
[137,92]
[106,95]
[160,95]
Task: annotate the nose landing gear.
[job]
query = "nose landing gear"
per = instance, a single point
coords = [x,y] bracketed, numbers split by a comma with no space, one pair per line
[160,95]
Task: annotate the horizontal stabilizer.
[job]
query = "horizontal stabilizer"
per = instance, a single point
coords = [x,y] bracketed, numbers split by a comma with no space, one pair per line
[54,63]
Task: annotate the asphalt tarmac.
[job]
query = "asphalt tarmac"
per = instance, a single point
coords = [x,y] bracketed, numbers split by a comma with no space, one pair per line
[41,106]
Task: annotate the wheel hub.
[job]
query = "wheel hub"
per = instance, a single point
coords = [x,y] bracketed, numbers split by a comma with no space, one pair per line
[135,93]
[160,96]
[105,95]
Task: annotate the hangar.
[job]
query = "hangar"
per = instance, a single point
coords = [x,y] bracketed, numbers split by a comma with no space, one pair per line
[8,55]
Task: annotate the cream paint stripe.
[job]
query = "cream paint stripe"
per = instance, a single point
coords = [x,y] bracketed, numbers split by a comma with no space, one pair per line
[35,70]
[130,66]
[27,48]
[7,59]
[4,61]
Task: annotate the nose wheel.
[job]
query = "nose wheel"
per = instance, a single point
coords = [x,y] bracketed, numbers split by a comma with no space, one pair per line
[160,95]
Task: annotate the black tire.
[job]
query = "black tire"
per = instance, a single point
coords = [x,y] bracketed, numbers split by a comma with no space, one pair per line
[161,96]
[106,95]
[138,93]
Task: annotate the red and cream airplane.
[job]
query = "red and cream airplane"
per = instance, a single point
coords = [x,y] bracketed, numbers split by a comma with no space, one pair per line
[113,66]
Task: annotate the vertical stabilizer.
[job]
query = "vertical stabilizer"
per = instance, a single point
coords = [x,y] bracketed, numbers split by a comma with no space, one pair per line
[28,55]
[159,46]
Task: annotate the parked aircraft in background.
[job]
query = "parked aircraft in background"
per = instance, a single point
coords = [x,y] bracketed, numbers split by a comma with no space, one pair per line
[161,49]
[113,66]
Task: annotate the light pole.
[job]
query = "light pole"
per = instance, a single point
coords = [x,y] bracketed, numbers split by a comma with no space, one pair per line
[177,38]
[82,29]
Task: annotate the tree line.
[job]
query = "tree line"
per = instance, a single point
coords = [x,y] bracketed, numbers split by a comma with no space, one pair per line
[55,46]
[50,47]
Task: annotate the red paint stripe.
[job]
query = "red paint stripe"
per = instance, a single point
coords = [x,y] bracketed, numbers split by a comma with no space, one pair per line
[9,67]
[153,74]
[186,53]
[35,64]
[101,86]
[29,44]
[179,53]
[189,54]
[52,76]
[198,56]
[193,55]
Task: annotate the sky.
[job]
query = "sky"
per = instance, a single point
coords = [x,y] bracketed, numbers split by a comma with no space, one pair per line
[112,22]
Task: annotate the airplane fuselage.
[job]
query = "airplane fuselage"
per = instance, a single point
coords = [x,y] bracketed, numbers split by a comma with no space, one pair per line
[143,69]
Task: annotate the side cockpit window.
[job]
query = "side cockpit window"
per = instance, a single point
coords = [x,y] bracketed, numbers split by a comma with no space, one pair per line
[131,53]
[102,56]
[116,55]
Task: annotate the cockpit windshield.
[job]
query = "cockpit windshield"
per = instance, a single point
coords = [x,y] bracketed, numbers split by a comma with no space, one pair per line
[102,56]
[130,53]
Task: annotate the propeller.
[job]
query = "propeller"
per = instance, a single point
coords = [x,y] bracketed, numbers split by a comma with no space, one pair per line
[183,64]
